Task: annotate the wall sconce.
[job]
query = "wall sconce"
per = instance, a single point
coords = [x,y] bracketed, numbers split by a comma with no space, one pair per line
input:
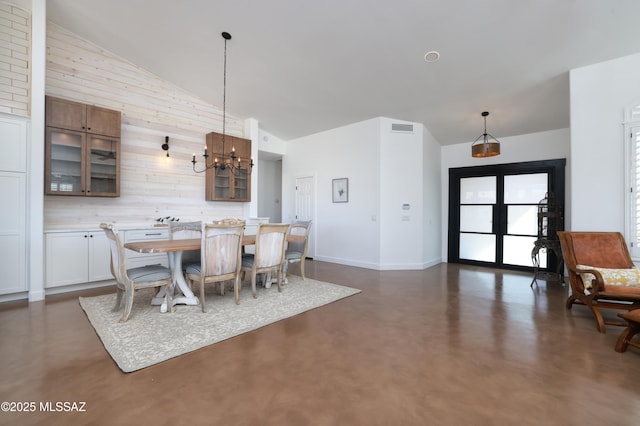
[165,145]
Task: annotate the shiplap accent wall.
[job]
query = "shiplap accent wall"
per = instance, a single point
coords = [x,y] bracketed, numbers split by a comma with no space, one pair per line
[15,43]
[152,185]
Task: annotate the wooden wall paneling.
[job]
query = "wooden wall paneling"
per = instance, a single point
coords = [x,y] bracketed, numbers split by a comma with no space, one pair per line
[152,185]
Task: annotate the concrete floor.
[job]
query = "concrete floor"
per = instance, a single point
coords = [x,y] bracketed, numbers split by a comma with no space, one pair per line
[449,345]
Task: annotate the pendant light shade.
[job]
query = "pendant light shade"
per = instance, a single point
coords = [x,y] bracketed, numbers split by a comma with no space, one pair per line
[483,146]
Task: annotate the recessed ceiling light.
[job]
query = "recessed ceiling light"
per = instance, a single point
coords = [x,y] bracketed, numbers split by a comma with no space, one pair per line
[432,56]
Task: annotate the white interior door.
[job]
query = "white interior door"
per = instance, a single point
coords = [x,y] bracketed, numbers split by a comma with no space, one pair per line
[305,207]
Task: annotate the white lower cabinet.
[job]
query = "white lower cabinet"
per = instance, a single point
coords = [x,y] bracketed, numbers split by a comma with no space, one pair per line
[13,209]
[77,257]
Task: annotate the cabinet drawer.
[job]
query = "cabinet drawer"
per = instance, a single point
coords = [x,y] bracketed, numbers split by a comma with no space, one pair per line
[143,259]
[146,235]
[135,259]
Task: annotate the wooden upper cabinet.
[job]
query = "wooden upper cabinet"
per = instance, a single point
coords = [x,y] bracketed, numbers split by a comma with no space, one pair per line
[65,114]
[82,149]
[70,115]
[225,184]
[102,121]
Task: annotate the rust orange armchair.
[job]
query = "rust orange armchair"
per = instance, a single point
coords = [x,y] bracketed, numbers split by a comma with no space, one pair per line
[601,273]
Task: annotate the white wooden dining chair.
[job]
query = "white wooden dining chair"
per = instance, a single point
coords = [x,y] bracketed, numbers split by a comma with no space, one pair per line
[297,250]
[130,280]
[220,259]
[269,253]
[186,231]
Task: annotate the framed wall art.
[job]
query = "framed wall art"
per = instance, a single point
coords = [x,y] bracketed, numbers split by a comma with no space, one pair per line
[341,190]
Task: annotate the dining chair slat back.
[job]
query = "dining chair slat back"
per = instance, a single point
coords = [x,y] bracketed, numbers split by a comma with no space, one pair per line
[220,258]
[130,280]
[186,231]
[269,253]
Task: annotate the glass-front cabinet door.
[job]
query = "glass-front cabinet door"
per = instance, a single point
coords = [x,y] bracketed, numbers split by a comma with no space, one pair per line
[78,163]
[241,185]
[64,168]
[102,165]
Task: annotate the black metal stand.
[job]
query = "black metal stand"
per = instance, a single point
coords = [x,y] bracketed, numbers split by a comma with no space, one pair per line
[554,246]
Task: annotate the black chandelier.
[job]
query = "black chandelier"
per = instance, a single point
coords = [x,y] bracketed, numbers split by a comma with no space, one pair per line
[232,161]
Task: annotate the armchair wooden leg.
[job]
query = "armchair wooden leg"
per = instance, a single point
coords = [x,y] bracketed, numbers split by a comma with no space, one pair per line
[570,301]
[633,319]
[600,325]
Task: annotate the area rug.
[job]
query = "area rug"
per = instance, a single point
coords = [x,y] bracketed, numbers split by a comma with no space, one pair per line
[150,337]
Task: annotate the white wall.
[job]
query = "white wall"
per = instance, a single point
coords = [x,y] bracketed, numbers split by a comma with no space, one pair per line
[386,169]
[400,183]
[270,190]
[599,95]
[531,147]
[269,143]
[432,200]
[343,232]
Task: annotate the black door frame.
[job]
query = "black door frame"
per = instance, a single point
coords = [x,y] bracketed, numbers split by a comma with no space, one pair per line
[556,184]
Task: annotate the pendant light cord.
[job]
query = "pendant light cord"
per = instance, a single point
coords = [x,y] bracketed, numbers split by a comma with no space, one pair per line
[224,91]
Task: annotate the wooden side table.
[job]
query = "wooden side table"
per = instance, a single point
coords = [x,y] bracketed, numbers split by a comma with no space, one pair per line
[633,319]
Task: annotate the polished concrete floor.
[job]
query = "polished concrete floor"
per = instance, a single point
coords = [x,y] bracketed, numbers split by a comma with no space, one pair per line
[450,345]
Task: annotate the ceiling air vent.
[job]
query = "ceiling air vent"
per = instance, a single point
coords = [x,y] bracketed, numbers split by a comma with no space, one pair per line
[399,127]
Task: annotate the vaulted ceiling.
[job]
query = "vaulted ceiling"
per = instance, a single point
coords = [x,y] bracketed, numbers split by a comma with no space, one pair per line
[300,67]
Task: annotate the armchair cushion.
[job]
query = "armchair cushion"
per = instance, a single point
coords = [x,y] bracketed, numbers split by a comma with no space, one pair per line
[625,280]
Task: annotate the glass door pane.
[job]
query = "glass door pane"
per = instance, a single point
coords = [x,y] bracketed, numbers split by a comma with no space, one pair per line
[478,190]
[522,193]
[480,247]
[517,251]
[478,196]
[476,219]
[103,165]
[65,173]
[525,188]
[522,220]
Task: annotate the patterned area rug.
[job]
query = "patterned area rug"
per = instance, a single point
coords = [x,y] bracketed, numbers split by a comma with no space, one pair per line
[150,337]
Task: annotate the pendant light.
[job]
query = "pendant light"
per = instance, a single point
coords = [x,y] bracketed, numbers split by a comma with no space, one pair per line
[226,161]
[485,148]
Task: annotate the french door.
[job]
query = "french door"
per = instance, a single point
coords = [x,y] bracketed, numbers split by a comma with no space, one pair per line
[493,218]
